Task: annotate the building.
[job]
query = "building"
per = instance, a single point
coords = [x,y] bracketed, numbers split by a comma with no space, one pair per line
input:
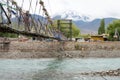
[98,38]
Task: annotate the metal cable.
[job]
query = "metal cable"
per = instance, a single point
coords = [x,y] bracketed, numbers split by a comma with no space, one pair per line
[22,4]
[36,6]
[79,62]
[50,6]
[30,5]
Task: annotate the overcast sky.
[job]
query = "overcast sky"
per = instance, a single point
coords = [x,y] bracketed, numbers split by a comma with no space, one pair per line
[94,8]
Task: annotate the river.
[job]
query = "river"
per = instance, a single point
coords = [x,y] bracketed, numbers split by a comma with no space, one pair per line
[56,69]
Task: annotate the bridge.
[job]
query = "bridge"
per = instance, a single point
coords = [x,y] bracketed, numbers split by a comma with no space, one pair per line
[14,19]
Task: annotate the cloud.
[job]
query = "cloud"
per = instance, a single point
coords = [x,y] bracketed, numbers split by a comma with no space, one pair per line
[95,8]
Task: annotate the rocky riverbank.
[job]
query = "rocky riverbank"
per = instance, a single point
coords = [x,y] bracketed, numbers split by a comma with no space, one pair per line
[39,49]
[104,73]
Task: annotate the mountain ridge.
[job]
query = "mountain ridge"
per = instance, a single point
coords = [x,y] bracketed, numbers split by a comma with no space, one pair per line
[86,24]
[72,15]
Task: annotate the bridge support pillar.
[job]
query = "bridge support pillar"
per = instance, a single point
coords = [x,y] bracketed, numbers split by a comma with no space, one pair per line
[66,24]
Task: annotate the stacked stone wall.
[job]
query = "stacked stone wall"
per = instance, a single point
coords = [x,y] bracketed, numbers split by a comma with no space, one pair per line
[41,49]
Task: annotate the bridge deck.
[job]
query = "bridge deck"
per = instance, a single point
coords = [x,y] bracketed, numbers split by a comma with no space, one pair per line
[6,28]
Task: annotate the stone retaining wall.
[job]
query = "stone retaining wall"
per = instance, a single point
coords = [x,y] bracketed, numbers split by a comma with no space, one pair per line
[37,49]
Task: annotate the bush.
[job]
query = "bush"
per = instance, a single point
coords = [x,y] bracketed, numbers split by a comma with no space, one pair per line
[77,47]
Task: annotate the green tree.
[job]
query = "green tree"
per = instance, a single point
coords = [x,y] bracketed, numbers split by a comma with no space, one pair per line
[115,25]
[11,35]
[66,31]
[101,29]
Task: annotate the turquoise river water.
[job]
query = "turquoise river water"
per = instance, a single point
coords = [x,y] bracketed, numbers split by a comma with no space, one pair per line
[56,69]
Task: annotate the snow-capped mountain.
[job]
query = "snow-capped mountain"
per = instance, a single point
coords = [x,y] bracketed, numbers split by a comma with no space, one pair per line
[75,16]
[87,24]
